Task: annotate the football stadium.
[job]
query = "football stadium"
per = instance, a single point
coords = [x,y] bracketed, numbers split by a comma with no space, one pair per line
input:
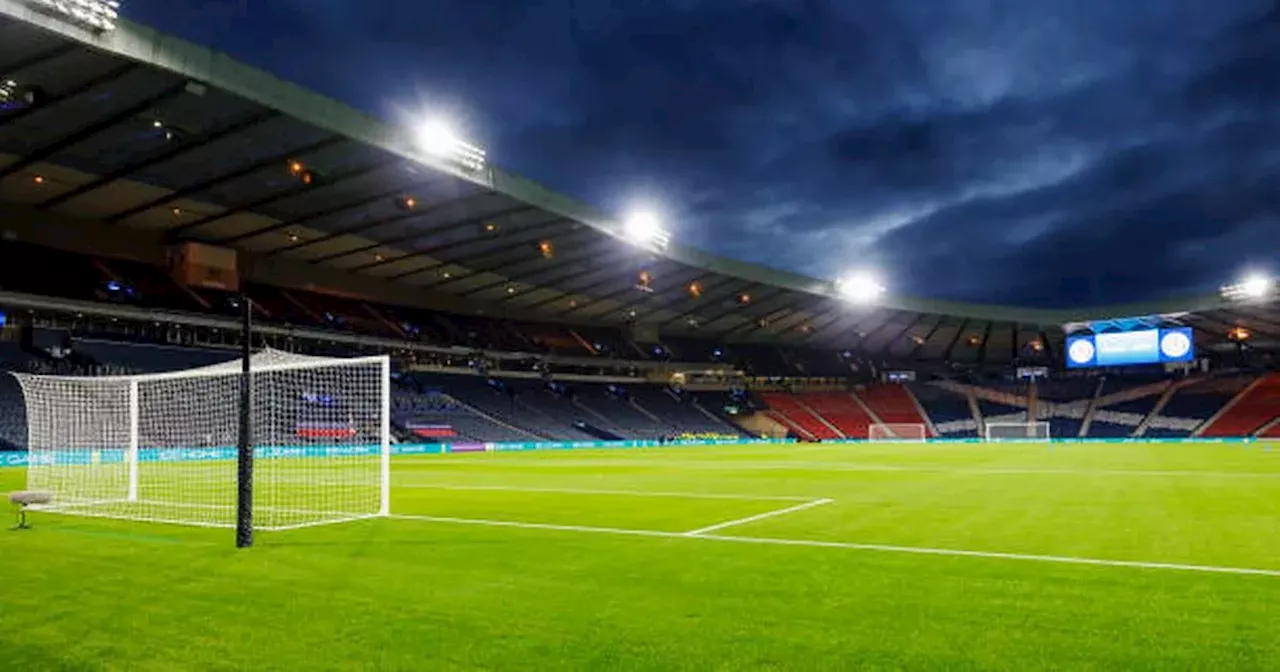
[288,387]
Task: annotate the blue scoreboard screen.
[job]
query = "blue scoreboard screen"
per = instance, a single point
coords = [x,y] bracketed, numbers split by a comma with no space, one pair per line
[1147,346]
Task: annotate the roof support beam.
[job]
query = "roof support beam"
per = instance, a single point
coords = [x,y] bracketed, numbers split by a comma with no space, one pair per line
[982,347]
[915,352]
[1048,347]
[191,144]
[321,214]
[62,96]
[736,288]
[85,132]
[513,255]
[946,354]
[905,330]
[295,190]
[369,225]
[539,227]
[278,159]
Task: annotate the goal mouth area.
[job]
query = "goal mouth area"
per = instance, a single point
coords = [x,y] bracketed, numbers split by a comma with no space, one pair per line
[886,432]
[219,516]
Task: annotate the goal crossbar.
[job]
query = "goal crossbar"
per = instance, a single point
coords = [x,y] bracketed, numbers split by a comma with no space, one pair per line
[162,447]
[897,431]
[1017,431]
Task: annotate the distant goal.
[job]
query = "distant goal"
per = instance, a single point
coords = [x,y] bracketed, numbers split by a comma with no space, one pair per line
[897,432]
[1015,432]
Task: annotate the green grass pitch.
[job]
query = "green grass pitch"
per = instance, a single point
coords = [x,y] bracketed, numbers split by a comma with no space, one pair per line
[1018,557]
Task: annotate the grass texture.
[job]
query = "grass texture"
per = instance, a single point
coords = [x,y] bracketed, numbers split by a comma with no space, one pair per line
[891,556]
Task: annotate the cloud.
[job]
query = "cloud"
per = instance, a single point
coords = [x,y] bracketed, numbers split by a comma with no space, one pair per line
[1044,152]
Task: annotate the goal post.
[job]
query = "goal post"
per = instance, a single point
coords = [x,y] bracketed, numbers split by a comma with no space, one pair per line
[163,447]
[891,431]
[1017,431]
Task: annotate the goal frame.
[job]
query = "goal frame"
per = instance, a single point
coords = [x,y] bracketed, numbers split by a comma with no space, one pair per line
[132,450]
[1032,435]
[898,431]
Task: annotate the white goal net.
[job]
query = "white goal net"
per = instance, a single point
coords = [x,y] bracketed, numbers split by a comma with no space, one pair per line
[897,432]
[1017,431]
[163,447]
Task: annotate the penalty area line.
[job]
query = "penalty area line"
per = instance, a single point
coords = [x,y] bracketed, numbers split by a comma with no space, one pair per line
[851,546]
[758,516]
[594,491]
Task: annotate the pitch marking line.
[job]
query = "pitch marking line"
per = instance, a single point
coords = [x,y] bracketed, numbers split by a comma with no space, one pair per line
[834,465]
[623,493]
[759,516]
[883,548]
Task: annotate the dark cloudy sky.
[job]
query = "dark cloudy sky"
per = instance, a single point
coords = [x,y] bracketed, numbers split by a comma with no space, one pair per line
[1038,152]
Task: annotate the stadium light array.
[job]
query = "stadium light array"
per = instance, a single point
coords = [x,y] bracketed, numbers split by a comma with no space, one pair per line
[644,229]
[1255,287]
[860,288]
[98,15]
[438,138]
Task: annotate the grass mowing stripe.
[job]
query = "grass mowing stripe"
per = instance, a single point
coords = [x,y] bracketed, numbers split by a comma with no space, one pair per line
[621,493]
[886,548]
[872,467]
[758,516]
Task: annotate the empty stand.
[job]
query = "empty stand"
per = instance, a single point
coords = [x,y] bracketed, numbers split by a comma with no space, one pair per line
[892,404]
[1253,409]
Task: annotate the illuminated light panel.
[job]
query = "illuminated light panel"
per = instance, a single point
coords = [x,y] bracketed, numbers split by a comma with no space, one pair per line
[439,139]
[96,15]
[644,229]
[860,288]
[1254,287]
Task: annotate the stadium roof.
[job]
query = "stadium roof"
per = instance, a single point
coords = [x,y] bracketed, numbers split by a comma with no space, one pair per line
[134,128]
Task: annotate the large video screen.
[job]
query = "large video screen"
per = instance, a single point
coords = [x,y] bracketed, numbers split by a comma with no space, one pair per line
[1148,346]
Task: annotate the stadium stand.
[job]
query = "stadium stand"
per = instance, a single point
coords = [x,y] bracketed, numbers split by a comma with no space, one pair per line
[949,411]
[1253,409]
[892,404]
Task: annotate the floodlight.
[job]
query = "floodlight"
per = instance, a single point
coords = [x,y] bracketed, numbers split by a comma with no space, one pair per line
[644,229]
[1253,287]
[438,138]
[860,287]
[1256,286]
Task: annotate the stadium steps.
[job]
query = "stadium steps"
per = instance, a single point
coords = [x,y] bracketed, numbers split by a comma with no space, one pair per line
[1087,421]
[1271,430]
[719,421]
[862,403]
[787,409]
[1163,401]
[893,405]
[820,418]
[979,422]
[1244,415]
[915,401]
[791,426]
[510,427]
[635,405]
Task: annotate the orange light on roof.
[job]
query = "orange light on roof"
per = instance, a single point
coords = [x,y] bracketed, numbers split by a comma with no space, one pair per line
[293,237]
[490,227]
[645,278]
[296,167]
[1037,346]
[695,290]
[177,212]
[39,179]
[1239,334]
[744,298]
[546,249]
